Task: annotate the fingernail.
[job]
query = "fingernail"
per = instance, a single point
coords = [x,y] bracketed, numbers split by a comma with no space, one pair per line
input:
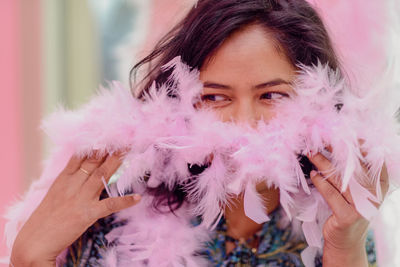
[313,173]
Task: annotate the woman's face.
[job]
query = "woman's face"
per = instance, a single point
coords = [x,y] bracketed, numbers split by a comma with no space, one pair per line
[245,77]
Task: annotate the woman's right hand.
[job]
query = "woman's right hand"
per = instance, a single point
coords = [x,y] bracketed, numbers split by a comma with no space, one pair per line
[70,207]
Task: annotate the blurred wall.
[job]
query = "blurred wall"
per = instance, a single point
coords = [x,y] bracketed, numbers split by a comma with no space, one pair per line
[10,106]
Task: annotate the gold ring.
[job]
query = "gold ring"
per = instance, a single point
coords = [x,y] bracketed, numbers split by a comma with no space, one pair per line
[85,171]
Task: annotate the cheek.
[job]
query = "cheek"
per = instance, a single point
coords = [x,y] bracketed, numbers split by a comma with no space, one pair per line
[264,112]
[225,114]
[267,114]
[259,112]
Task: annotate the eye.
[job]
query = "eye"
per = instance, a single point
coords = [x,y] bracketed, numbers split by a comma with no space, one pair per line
[213,98]
[273,95]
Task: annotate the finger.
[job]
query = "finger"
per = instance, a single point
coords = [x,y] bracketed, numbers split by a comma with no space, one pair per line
[323,164]
[361,143]
[384,180]
[364,179]
[371,184]
[111,205]
[370,171]
[90,164]
[329,148]
[326,168]
[94,183]
[336,201]
[73,164]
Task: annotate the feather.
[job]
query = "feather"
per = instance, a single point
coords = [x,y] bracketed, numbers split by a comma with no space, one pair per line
[254,205]
[164,135]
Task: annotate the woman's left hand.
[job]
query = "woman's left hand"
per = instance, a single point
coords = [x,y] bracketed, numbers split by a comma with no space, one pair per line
[345,230]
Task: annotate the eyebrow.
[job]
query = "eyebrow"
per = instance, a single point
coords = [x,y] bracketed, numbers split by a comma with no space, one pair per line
[271,83]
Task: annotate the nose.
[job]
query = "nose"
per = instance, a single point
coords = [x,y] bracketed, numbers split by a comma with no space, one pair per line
[246,113]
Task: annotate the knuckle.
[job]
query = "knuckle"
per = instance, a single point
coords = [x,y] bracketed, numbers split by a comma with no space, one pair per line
[94,160]
[68,170]
[100,172]
[335,224]
[92,214]
[351,219]
[111,204]
[88,215]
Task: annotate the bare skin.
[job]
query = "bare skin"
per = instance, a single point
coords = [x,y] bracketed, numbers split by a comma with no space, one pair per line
[241,81]
[239,225]
[71,205]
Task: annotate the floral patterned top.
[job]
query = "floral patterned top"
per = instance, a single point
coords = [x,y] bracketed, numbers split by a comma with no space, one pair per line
[275,246]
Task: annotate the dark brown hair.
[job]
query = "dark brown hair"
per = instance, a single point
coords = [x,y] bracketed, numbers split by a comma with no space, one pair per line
[295,25]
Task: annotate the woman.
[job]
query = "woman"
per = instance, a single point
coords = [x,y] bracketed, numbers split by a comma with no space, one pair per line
[247,53]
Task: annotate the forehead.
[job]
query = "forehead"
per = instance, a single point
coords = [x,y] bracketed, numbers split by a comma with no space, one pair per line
[251,52]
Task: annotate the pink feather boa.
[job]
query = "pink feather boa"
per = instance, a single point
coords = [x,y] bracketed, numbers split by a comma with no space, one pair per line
[164,134]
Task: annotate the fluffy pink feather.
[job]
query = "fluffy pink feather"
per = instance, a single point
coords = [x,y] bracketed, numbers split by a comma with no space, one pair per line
[165,134]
